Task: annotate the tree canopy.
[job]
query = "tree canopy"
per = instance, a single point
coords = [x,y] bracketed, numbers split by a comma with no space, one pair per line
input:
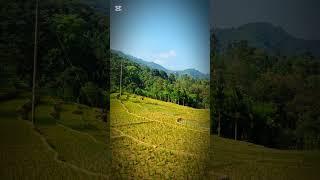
[157,84]
[267,99]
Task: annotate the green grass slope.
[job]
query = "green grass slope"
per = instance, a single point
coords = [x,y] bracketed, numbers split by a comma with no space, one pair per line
[241,160]
[149,140]
[155,139]
[53,149]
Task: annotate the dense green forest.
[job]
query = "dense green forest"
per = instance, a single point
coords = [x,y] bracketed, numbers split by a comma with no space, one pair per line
[272,100]
[73,49]
[157,84]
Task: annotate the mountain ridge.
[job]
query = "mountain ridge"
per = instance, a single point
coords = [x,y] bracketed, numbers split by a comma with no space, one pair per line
[273,39]
[190,71]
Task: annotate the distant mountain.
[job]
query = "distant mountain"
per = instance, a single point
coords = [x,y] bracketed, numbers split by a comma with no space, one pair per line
[191,72]
[267,36]
[151,65]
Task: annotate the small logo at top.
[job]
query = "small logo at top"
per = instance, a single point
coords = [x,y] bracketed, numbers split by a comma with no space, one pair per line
[118,8]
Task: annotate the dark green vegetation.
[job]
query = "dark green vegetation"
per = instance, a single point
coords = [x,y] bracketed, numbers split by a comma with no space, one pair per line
[72,54]
[70,137]
[157,84]
[266,99]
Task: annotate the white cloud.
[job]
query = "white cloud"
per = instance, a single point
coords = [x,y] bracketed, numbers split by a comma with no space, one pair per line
[166,55]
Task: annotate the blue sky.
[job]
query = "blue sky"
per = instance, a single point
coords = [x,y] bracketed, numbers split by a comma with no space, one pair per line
[172,33]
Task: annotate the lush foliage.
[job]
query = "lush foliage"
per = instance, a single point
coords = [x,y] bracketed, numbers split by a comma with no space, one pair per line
[267,99]
[72,50]
[157,84]
[67,140]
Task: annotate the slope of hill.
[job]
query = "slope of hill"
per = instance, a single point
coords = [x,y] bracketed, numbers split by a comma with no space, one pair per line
[191,72]
[74,146]
[147,139]
[151,65]
[267,36]
[153,139]
[242,160]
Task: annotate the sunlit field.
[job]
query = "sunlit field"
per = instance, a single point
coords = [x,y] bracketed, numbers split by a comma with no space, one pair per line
[153,139]
[72,147]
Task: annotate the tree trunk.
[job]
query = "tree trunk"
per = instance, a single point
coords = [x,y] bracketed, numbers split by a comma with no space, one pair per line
[235,129]
[120,78]
[35,56]
[219,124]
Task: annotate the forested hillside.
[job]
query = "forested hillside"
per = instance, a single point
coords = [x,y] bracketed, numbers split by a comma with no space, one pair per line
[157,84]
[72,49]
[263,98]
[68,138]
[191,71]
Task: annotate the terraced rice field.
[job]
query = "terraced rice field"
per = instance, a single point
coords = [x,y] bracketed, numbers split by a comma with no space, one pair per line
[241,160]
[159,140]
[149,140]
[52,149]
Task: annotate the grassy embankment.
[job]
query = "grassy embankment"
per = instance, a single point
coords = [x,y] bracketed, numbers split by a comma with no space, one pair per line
[73,147]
